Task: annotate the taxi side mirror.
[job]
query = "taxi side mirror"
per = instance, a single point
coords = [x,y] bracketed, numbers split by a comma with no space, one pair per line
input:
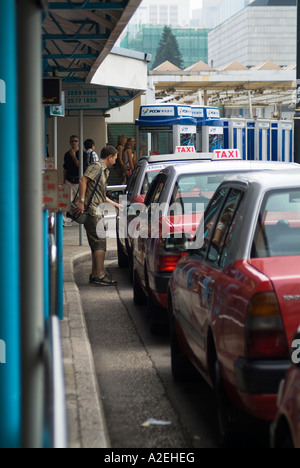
[296,350]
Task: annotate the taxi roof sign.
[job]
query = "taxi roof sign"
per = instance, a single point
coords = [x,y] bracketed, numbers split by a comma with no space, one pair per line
[185,149]
[228,154]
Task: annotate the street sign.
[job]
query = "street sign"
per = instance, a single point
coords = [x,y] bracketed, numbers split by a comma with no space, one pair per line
[58,111]
[50,190]
[86,97]
[64,198]
[49,164]
[52,91]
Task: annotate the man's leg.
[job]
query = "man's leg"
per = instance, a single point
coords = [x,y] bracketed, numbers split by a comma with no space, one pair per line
[98,263]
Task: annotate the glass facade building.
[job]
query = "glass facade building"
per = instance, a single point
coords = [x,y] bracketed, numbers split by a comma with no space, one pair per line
[193,42]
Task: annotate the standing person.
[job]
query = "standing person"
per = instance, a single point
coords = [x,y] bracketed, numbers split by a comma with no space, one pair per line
[95,181]
[90,156]
[71,169]
[129,156]
[121,143]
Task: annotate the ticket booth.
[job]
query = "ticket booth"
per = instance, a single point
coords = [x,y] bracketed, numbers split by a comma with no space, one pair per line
[250,128]
[235,135]
[282,141]
[163,127]
[210,129]
[263,141]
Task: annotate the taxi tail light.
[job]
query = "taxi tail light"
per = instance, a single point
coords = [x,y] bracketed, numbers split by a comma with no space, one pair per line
[167,263]
[265,335]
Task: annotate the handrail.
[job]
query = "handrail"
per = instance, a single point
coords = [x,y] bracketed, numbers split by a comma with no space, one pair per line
[116,188]
[56,385]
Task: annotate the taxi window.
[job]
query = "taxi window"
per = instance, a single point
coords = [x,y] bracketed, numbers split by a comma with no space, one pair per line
[156,190]
[278,227]
[224,229]
[211,216]
[150,176]
[195,189]
[132,180]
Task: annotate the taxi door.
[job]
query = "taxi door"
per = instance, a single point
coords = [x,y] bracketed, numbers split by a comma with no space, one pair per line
[145,231]
[207,281]
[202,278]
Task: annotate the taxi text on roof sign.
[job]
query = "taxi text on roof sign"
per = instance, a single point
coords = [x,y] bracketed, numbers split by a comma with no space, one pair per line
[185,149]
[221,155]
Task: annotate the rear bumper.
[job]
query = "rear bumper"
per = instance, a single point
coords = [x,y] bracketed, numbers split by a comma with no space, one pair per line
[160,287]
[258,384]
[161,282]
[260,377]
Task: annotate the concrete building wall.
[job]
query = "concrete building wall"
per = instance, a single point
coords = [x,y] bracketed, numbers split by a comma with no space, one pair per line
[255,35]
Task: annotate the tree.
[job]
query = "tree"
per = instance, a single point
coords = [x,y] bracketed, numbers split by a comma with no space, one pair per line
[168,49]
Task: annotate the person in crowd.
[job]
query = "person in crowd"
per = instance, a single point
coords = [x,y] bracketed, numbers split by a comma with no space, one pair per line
[129,157]
[121,143]
[71,169]
[90,156]
[94,184]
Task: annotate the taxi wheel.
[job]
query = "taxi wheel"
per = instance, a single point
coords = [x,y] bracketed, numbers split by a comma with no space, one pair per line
[230,417]
[182,369]
[122,257]
[157,316]
[139,297]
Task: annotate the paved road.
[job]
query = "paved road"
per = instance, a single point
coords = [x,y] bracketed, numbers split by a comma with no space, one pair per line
[133,370]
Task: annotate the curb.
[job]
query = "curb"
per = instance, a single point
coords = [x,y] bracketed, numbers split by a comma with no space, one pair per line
[86,421]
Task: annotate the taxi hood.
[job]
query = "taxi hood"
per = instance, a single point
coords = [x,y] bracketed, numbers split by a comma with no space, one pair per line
[284,273]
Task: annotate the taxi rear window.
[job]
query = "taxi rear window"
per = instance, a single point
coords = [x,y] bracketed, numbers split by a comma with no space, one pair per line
[151,173]
[190,190]
[278,227]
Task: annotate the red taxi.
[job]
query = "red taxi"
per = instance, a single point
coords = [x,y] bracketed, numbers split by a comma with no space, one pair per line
[234,302]
[145,171]
[175,205]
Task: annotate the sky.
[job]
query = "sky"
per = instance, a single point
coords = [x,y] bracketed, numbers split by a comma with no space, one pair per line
[195,4]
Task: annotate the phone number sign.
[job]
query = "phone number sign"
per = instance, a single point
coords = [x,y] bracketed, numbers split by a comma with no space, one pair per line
[90,97]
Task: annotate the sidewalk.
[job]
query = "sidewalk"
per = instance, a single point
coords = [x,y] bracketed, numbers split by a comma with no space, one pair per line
[86,421]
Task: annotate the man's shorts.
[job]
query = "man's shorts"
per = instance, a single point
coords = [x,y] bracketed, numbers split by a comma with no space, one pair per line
[95,242]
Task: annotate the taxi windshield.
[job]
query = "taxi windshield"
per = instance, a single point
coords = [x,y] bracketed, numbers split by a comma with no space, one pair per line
[278,228]
[194,189]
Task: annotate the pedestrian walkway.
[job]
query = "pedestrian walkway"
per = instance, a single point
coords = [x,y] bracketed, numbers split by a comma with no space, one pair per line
[86,422]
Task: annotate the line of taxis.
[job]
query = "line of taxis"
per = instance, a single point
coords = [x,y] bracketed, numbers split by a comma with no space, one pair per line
[214,250]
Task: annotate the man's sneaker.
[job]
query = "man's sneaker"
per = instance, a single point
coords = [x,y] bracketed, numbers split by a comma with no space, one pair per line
[104,281]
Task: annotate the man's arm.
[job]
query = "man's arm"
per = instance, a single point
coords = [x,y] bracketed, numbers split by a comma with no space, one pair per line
[82,191]
[116,205]
[74,157]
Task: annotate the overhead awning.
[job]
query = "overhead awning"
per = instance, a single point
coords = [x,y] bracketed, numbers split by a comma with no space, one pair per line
[79,35]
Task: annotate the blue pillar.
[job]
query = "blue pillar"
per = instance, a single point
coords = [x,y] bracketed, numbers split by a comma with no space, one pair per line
[46,264]
[10,392]
[60,272]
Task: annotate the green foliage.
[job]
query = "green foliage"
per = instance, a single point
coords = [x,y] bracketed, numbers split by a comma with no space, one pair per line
[168,49]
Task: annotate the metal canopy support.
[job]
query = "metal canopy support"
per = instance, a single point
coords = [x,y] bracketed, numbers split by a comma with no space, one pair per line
[86,5]
[10,368]
[31,151]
